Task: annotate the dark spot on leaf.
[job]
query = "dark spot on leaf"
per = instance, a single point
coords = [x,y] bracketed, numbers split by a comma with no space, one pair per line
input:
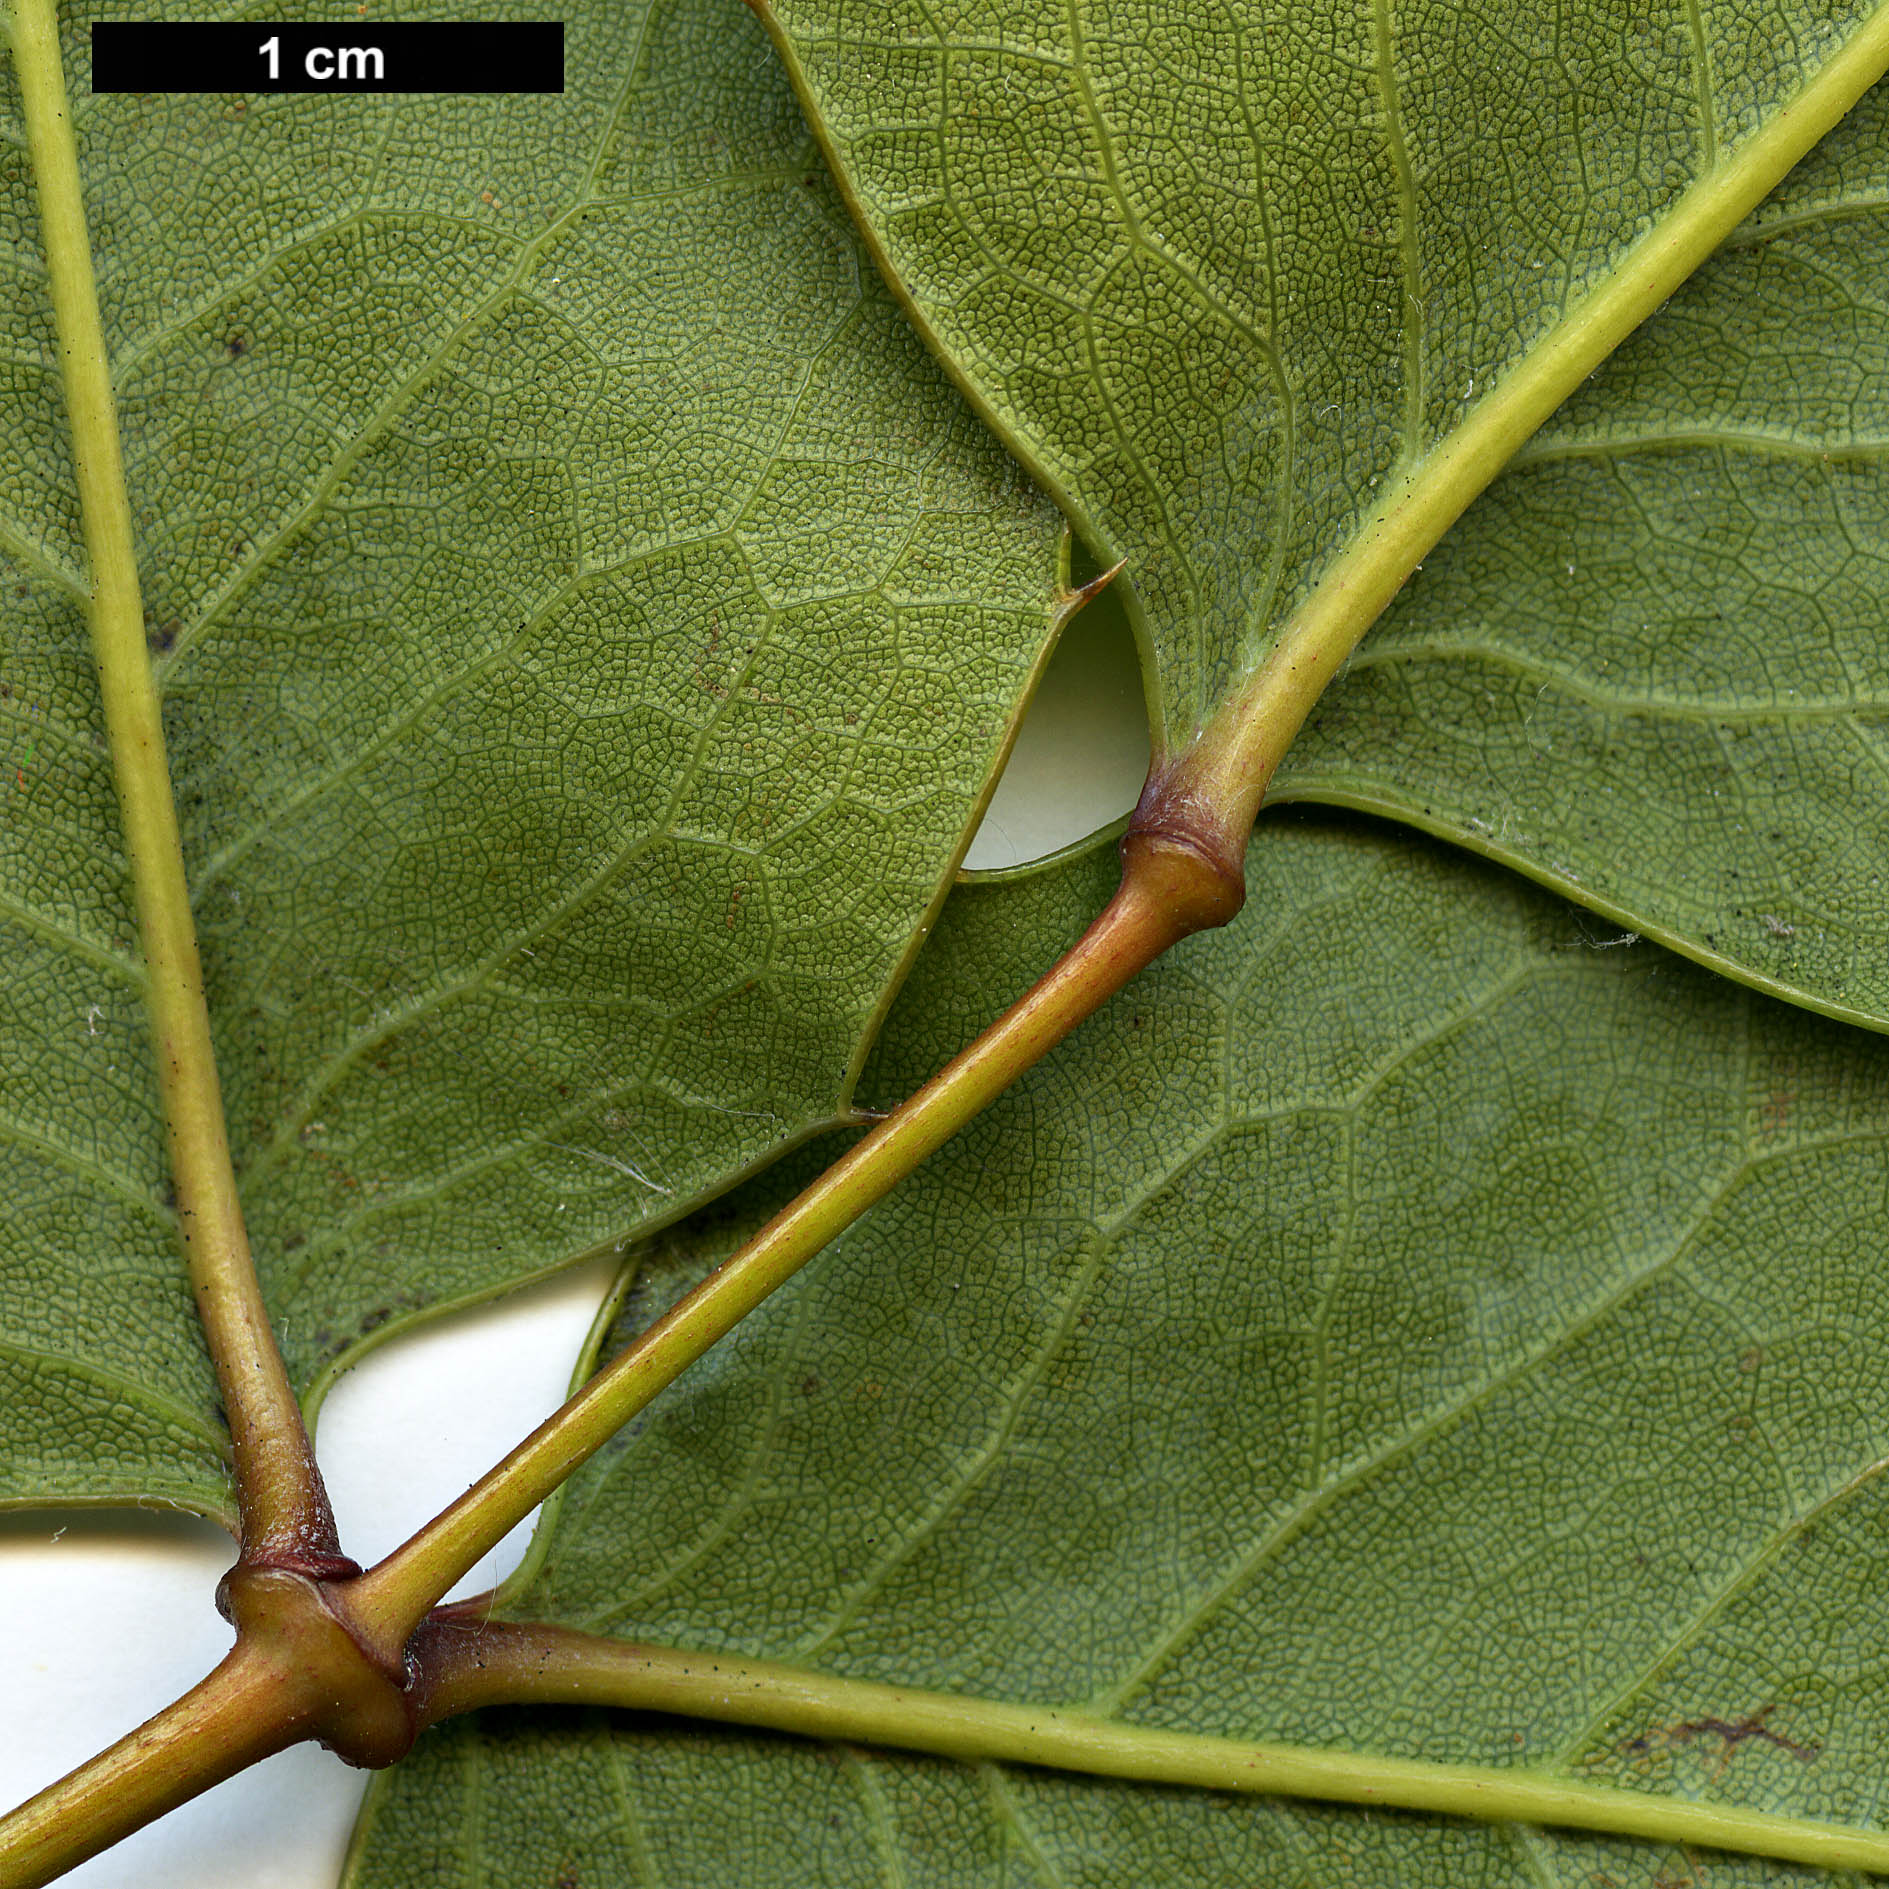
[374,1320]
[238,346]
[1730,1734]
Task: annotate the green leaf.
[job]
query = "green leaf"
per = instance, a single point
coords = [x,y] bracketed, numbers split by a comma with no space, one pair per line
[1410,1321]
[1646,667]
[1414,1321]
[1221,275]
[588,626]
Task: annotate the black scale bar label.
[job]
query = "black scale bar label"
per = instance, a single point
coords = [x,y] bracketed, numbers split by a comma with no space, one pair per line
[267,56]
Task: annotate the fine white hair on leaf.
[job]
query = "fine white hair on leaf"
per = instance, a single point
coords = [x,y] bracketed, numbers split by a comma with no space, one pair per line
[612,1161]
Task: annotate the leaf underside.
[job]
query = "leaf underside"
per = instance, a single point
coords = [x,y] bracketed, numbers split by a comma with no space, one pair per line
[1647,667]
[1418,1319]
[1410,1320]
[587,625]
[1219,275]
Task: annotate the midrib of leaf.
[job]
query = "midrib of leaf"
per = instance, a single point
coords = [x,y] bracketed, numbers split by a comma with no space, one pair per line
[1224,768]
[1231,760]
[552,1665]
[283,1506]
[1781,445]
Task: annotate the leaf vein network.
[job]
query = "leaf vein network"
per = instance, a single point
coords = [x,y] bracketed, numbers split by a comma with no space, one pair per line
[1316,1502]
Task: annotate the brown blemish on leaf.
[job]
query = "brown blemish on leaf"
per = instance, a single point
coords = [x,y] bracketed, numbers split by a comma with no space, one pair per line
[1774,1113]
[1730,1733]
[1669,1878]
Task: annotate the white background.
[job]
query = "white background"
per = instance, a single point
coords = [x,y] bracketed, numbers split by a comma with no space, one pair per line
[110,1616]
